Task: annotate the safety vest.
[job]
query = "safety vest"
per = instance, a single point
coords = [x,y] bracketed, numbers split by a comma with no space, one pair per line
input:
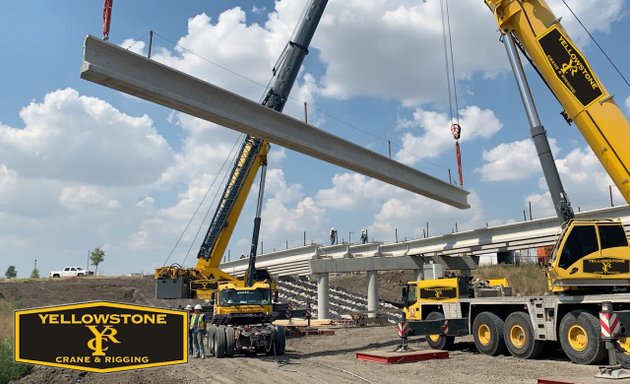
[197,321]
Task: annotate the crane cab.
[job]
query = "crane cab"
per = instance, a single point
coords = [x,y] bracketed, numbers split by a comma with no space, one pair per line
[590,255]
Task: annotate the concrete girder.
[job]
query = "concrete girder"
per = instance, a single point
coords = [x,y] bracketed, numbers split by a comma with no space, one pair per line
[112,66]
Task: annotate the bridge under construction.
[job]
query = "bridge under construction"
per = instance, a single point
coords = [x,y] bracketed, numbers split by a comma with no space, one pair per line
[456,251]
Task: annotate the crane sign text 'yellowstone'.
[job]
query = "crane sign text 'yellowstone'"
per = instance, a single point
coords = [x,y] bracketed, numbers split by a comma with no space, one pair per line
[101,336]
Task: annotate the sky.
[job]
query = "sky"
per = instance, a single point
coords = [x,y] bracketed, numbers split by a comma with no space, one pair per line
[84,166]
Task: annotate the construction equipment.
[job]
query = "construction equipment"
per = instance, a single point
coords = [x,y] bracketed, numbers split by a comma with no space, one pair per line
[242,310]
[590,262]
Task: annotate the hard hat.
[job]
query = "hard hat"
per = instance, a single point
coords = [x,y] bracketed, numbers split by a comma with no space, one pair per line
[198,306]
[188,307]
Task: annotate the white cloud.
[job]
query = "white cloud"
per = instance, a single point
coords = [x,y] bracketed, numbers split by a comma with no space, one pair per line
[84,139]
[393,49]
[408,215]
[585,182]
[597,15]
[436,137]
[288,212]
[628,104]
[86,197]
[512,161]
[351,191]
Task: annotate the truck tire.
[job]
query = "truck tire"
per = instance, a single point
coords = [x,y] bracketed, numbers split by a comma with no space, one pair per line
[230,342]
[519,336]
[280,340]
[270,348]
[219,342]
[488,334]
[211,330]
[580,337]
[439,341]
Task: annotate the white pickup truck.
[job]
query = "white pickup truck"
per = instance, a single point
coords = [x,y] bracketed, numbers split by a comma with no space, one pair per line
[71,272]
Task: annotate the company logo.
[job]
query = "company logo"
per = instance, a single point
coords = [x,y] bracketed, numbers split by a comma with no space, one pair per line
[438,293]
[203,284]
[101,336]
[570,67]
[606,266]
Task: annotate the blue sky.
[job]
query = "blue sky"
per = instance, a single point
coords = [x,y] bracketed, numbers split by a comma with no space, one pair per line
[84,166]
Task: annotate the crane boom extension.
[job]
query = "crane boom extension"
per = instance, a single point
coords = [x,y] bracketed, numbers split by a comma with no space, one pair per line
[585,100]
[252,157]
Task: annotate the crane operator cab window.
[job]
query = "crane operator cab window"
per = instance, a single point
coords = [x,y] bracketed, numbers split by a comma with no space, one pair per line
[230,297]
[582,241]
[612,236]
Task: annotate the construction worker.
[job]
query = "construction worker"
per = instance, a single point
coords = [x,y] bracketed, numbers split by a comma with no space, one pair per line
[198,329]
[364,236]
[333,235]
[189,311]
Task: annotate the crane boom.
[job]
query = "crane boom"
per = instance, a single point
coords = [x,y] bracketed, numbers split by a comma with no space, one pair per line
[585,100]
[251,157]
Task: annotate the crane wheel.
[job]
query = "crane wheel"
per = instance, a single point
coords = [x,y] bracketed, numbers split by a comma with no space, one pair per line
[219,342]
[519,336]
[438,341]
[211,330]
[280,340]
[230,342]
[488,334]
[580,337]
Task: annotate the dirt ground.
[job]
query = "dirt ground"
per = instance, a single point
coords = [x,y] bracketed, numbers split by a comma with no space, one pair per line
[310,359]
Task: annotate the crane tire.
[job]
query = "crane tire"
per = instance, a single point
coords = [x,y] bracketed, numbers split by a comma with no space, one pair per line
[211,330]
[488,334]
[280,340]
[439,341]
[230,342]
[219,342]
[580,337]
[519,336]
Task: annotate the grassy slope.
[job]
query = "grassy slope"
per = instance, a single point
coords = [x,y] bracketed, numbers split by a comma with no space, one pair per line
[525,279]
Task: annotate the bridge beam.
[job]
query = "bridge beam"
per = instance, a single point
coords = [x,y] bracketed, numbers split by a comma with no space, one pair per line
[120,69]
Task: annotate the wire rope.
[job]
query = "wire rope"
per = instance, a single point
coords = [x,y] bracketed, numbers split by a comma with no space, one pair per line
[597,44]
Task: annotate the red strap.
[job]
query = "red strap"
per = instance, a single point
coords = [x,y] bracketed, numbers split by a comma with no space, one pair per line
[459,164]
[107,18]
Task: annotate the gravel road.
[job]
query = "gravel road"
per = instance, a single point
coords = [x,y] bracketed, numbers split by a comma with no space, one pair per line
[331,359]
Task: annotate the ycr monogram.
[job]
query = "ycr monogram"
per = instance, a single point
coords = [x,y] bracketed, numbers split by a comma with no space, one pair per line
[96,343]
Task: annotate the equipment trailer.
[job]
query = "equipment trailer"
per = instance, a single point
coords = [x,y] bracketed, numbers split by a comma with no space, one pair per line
[519,325]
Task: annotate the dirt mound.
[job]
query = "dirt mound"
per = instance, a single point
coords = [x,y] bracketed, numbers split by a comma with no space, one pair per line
[37,293]
[390,284]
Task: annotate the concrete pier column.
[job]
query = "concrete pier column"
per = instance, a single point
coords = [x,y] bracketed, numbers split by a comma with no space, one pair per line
[417,274]
[372,296]
[323,301]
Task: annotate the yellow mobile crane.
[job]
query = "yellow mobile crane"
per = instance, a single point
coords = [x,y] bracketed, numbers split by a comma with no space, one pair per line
[242,309]
[589,272]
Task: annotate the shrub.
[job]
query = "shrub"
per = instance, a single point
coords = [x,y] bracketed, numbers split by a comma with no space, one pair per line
[10,370]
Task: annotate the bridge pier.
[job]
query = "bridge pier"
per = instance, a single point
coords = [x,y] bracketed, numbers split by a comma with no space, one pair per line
[417,274]
[372,295]
[323,300]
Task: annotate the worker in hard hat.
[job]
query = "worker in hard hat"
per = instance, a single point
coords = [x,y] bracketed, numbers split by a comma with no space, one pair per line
[189,311]
[198,329]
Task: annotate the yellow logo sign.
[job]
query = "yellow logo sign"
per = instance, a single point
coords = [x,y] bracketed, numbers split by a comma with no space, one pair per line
[101,336]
